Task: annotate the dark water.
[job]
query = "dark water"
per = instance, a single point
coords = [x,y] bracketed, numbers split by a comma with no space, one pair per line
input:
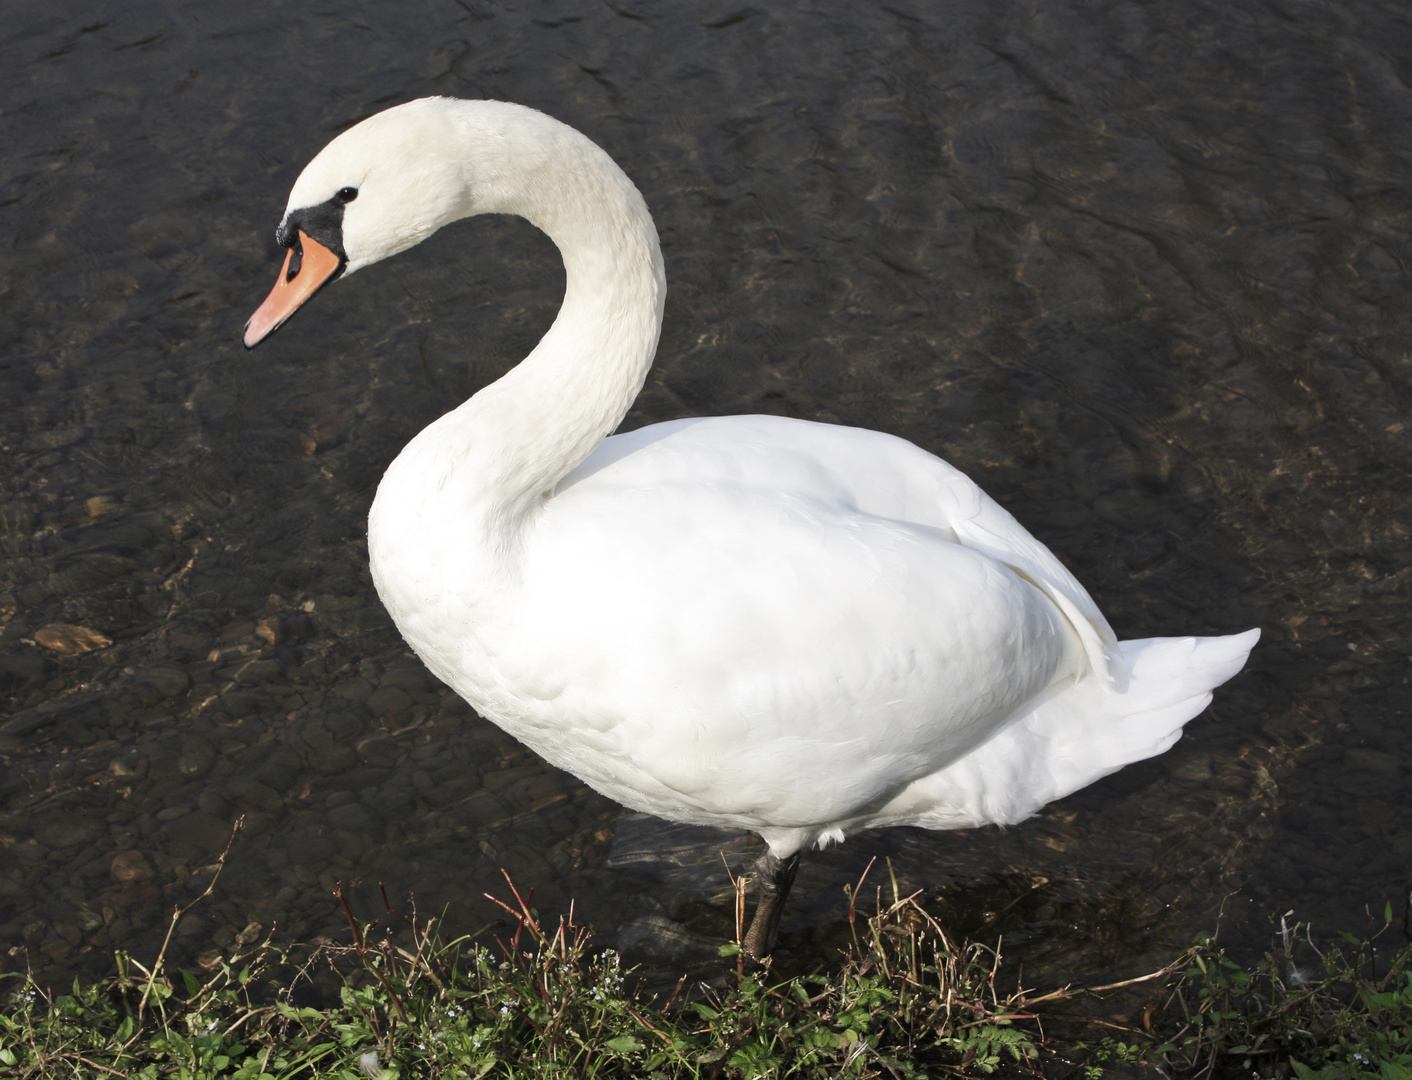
[1141,269]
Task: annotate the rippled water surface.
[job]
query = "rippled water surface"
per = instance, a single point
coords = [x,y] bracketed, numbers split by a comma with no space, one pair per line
[1140,269]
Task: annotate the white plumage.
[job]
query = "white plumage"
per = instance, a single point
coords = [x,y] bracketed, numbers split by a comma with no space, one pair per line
[750,621]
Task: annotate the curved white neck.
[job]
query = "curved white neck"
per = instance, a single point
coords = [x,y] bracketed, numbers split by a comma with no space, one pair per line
[492,461]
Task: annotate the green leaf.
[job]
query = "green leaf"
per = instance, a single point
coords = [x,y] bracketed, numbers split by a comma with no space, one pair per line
[623,1044]
[731,949]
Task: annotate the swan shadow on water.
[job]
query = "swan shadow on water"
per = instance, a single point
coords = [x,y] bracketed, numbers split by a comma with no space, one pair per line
[753,622]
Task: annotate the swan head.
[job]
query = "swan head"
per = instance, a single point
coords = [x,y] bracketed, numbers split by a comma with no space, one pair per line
[394,179]
[379,188]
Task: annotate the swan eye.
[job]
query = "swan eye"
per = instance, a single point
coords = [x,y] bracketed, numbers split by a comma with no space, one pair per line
[346,195]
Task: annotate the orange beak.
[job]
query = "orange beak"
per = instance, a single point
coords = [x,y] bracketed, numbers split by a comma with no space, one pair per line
[308,267]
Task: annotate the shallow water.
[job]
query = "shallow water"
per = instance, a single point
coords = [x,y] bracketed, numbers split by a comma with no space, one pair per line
[1141,270]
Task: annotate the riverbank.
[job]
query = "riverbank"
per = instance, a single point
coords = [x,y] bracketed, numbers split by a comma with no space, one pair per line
[540,997]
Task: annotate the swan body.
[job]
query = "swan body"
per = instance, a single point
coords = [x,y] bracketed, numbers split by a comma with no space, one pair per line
[752,621]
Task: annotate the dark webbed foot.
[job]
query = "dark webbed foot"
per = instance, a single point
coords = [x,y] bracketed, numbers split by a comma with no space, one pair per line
[774,876]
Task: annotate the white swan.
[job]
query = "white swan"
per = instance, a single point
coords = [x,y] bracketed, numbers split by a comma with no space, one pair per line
[749,621]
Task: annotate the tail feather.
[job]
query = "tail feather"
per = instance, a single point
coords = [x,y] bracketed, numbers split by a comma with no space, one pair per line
[1079,734]
[1158,684]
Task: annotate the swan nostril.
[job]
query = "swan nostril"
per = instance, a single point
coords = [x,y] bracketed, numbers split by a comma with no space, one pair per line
[296,258]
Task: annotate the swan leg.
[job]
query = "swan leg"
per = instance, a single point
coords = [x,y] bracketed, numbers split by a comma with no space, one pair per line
[775,876]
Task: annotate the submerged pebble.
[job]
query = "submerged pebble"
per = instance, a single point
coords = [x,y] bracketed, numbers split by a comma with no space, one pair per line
[130,866]
[69,640]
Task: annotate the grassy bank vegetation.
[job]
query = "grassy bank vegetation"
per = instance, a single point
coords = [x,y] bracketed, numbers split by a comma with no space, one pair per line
[542,999]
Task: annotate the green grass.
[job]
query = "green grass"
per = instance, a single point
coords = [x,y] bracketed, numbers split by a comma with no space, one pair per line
[543,1000]
[1341,1011]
